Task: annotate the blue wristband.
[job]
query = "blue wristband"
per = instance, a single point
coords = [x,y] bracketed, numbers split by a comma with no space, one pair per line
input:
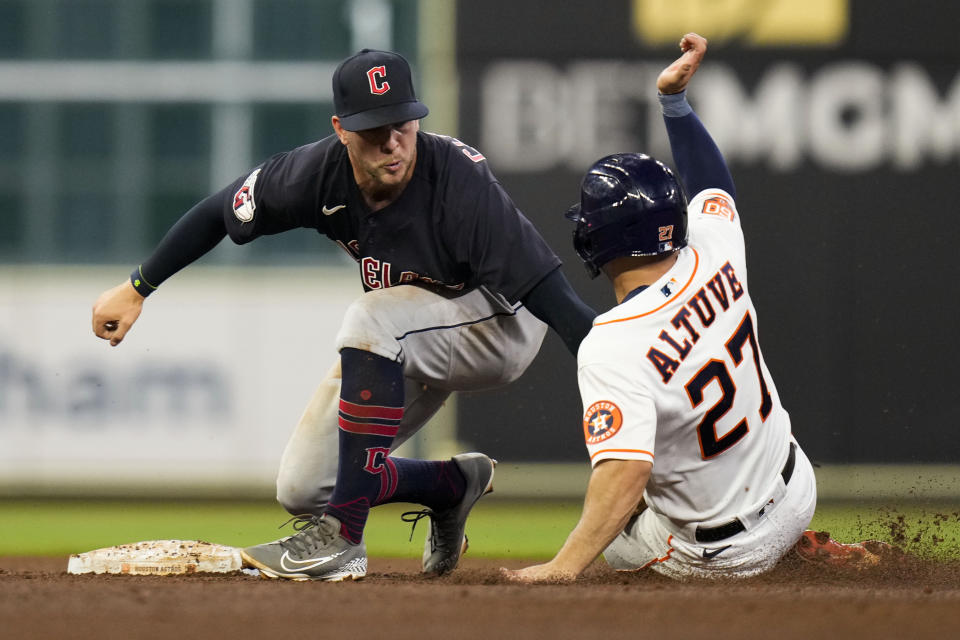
[674,105]
[140,283]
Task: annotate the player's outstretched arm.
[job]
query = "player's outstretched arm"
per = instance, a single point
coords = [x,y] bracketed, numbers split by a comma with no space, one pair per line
[615,489]
[196,233]
[115,311]
[695,154]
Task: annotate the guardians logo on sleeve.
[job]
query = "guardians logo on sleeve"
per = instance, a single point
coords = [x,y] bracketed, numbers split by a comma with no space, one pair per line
[601,421]
[244,205]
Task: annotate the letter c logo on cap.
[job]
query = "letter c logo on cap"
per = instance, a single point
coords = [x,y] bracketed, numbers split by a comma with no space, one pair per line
[377,78]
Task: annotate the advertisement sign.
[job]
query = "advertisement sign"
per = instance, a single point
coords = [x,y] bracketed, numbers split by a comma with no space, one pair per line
[205,389]
[840,121]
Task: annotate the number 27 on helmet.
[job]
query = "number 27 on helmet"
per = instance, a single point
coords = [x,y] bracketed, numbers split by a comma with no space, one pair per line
[630,205]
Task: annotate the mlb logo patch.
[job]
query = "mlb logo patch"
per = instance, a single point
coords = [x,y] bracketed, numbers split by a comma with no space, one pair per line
[668,289]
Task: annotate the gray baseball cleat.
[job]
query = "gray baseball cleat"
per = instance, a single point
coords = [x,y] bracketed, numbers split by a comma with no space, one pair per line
[446,541]
[316,552]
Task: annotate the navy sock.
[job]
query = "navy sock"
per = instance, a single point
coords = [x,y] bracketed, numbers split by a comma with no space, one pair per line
[435,484]
[371,407]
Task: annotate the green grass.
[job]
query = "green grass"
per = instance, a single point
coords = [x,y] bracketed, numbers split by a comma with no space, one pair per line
[45,527]
[927,529]
[497,528]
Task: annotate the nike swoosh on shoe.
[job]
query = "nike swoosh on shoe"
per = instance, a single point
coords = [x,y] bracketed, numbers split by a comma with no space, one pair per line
[304,565]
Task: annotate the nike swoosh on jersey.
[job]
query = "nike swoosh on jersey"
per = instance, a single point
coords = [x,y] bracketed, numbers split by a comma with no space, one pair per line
[329,210]
[708,554]
[309,563]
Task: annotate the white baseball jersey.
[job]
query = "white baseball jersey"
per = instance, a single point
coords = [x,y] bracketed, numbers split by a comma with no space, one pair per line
[674,375]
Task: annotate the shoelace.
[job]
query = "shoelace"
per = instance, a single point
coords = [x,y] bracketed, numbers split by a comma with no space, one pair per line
[311,533]
[415,517]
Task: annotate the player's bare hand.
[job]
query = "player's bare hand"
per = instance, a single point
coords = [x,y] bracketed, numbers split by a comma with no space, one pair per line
[115,311]
[538,573]
[674,78]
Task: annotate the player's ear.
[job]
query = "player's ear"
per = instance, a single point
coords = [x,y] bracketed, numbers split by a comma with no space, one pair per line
[339,130]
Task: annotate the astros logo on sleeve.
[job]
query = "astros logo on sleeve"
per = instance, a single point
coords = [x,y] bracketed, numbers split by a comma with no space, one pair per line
[601,421]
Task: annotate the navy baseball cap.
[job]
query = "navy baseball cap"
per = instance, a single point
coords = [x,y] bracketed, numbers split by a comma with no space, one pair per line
[373,88]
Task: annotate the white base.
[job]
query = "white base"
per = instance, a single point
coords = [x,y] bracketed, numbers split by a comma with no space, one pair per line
[158,558]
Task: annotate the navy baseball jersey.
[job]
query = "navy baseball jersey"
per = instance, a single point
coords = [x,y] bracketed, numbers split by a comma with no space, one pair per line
[453,226]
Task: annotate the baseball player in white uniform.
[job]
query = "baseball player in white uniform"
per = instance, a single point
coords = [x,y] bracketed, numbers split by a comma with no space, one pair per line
[695,470]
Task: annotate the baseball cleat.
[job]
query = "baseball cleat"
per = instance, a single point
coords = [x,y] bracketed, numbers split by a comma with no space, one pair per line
[446,540]
[818,547]
[316,552]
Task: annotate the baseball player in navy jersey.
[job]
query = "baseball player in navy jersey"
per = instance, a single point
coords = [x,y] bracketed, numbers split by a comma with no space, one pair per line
[459,290]
[695,470]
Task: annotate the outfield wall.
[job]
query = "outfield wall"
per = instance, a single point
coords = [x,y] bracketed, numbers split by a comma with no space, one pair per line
[204,391]
[200,398]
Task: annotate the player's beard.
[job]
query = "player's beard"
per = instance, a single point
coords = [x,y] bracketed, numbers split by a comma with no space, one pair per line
[387,184]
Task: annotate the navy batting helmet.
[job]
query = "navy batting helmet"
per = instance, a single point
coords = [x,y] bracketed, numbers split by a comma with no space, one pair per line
[630,205]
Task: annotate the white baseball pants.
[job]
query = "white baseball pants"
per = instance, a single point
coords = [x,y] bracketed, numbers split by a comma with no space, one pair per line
[446,341]
[653,541]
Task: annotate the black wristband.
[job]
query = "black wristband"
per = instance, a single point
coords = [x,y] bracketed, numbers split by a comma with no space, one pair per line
[139,283]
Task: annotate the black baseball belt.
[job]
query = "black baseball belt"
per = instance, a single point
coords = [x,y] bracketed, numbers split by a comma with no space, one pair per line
[723,531]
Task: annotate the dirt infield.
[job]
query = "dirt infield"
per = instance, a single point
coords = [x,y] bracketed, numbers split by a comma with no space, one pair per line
[38,599]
